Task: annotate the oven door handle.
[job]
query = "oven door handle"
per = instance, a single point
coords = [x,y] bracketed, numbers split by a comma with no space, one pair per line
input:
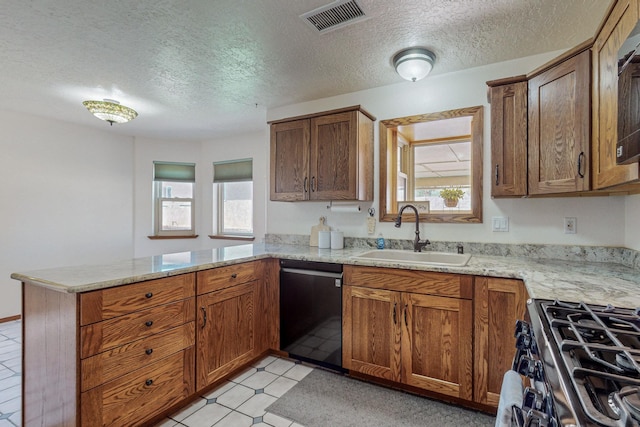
[312,273]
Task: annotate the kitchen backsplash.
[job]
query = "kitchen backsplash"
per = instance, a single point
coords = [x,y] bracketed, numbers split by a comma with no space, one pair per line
[624,256]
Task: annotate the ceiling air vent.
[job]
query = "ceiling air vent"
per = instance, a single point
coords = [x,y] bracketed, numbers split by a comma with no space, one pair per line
[334,15]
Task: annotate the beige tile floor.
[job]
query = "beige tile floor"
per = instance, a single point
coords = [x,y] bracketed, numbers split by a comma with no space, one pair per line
[242,401]
[10,373]
[239,402]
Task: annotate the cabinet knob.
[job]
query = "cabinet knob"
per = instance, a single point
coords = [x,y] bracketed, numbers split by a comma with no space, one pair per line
[149,382]
[234,275]
[148,351]
[148,322]
[148,294]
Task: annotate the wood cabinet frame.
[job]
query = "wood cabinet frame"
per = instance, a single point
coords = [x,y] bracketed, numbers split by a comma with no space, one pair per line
[621,19]
[322,156]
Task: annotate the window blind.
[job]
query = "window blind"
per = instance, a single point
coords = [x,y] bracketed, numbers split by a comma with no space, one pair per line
[177,172]
[233,171]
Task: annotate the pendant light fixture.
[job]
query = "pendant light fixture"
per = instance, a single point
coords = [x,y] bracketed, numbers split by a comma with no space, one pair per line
[111,111]
[414,63]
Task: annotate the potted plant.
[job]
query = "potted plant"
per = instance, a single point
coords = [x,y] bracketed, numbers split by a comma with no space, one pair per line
[451,196]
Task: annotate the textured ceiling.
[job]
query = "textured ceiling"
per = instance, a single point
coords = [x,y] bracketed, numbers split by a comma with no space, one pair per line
[196,69]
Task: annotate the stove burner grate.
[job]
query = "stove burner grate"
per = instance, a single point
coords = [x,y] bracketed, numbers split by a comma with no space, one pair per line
[600,352]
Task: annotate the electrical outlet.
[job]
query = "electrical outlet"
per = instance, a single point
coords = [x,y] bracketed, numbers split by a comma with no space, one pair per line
[570,225]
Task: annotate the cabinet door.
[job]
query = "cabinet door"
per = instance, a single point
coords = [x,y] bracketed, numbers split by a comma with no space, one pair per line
[334,157]
[436,344]
[371,332]
[559,127]
[290,161]
[498,304]
[225,331]
[509,139]
[617,27]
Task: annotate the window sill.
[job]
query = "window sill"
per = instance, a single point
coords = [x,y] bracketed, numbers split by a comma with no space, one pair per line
[194,236]
[232,237]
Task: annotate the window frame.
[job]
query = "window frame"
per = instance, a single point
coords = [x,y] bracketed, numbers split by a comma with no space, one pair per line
[159,198]
[220,212]
[228,173]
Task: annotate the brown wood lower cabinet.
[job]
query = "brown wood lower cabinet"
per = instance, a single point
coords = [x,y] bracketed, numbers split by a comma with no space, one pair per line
[226,331]
[436,344]
[91,361]
[125,355]
[420,337]
[139,395]
[445,333]
[371,336]
[498,304]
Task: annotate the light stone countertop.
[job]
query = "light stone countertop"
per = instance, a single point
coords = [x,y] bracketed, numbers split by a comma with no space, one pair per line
[591,282]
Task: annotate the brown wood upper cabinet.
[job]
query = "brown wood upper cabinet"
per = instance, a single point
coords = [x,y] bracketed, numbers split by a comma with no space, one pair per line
[617,27]
[559,127]
[540,129]
[571,114]
[324,156]
[508,100]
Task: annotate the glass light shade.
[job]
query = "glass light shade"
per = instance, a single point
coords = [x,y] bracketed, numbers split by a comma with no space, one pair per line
[414,64]
[110,111]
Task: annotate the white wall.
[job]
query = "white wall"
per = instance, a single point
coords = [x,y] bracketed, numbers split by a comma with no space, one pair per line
[632,231]
[146,151]
[66,198]
[203,154]
[531,220]
[253,145]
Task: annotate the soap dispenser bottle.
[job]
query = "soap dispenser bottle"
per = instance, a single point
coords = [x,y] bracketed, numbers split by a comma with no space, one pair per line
[380,241]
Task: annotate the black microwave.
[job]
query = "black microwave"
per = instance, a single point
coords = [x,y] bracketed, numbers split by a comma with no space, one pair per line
[628,145]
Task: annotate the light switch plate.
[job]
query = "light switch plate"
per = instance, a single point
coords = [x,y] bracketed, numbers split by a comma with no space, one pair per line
[500,223]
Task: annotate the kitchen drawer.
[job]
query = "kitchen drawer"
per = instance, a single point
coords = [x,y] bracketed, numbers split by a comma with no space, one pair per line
[224,277]
[102,336]
[121,360]
[418,282]
[113,302]
[139,395]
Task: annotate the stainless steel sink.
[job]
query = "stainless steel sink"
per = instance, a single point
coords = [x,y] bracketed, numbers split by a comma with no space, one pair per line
[409,257]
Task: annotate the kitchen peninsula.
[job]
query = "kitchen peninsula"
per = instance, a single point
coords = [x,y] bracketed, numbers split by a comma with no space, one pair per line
[81,324]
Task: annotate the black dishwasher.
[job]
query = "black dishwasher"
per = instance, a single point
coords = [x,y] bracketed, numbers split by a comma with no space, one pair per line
[311,311]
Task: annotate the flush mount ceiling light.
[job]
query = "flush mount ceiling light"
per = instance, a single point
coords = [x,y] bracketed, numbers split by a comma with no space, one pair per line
[414,64]
[111,111]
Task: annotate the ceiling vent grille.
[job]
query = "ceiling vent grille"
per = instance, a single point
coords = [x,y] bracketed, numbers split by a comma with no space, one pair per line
[334,15]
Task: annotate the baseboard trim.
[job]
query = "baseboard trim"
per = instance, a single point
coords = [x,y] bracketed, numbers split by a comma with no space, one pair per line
[10,318]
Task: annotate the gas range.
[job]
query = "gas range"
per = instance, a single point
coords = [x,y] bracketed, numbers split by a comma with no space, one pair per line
[583,365]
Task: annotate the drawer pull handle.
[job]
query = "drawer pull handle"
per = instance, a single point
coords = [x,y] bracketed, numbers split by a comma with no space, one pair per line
[204,317]
[405,315]
[234,275]
[148,351]
[148,323]
[149,382]
[148,295]
[394,313]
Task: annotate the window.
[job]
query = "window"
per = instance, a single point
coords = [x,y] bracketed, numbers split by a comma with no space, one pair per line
[173,188]
[444,151]
[233,197]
